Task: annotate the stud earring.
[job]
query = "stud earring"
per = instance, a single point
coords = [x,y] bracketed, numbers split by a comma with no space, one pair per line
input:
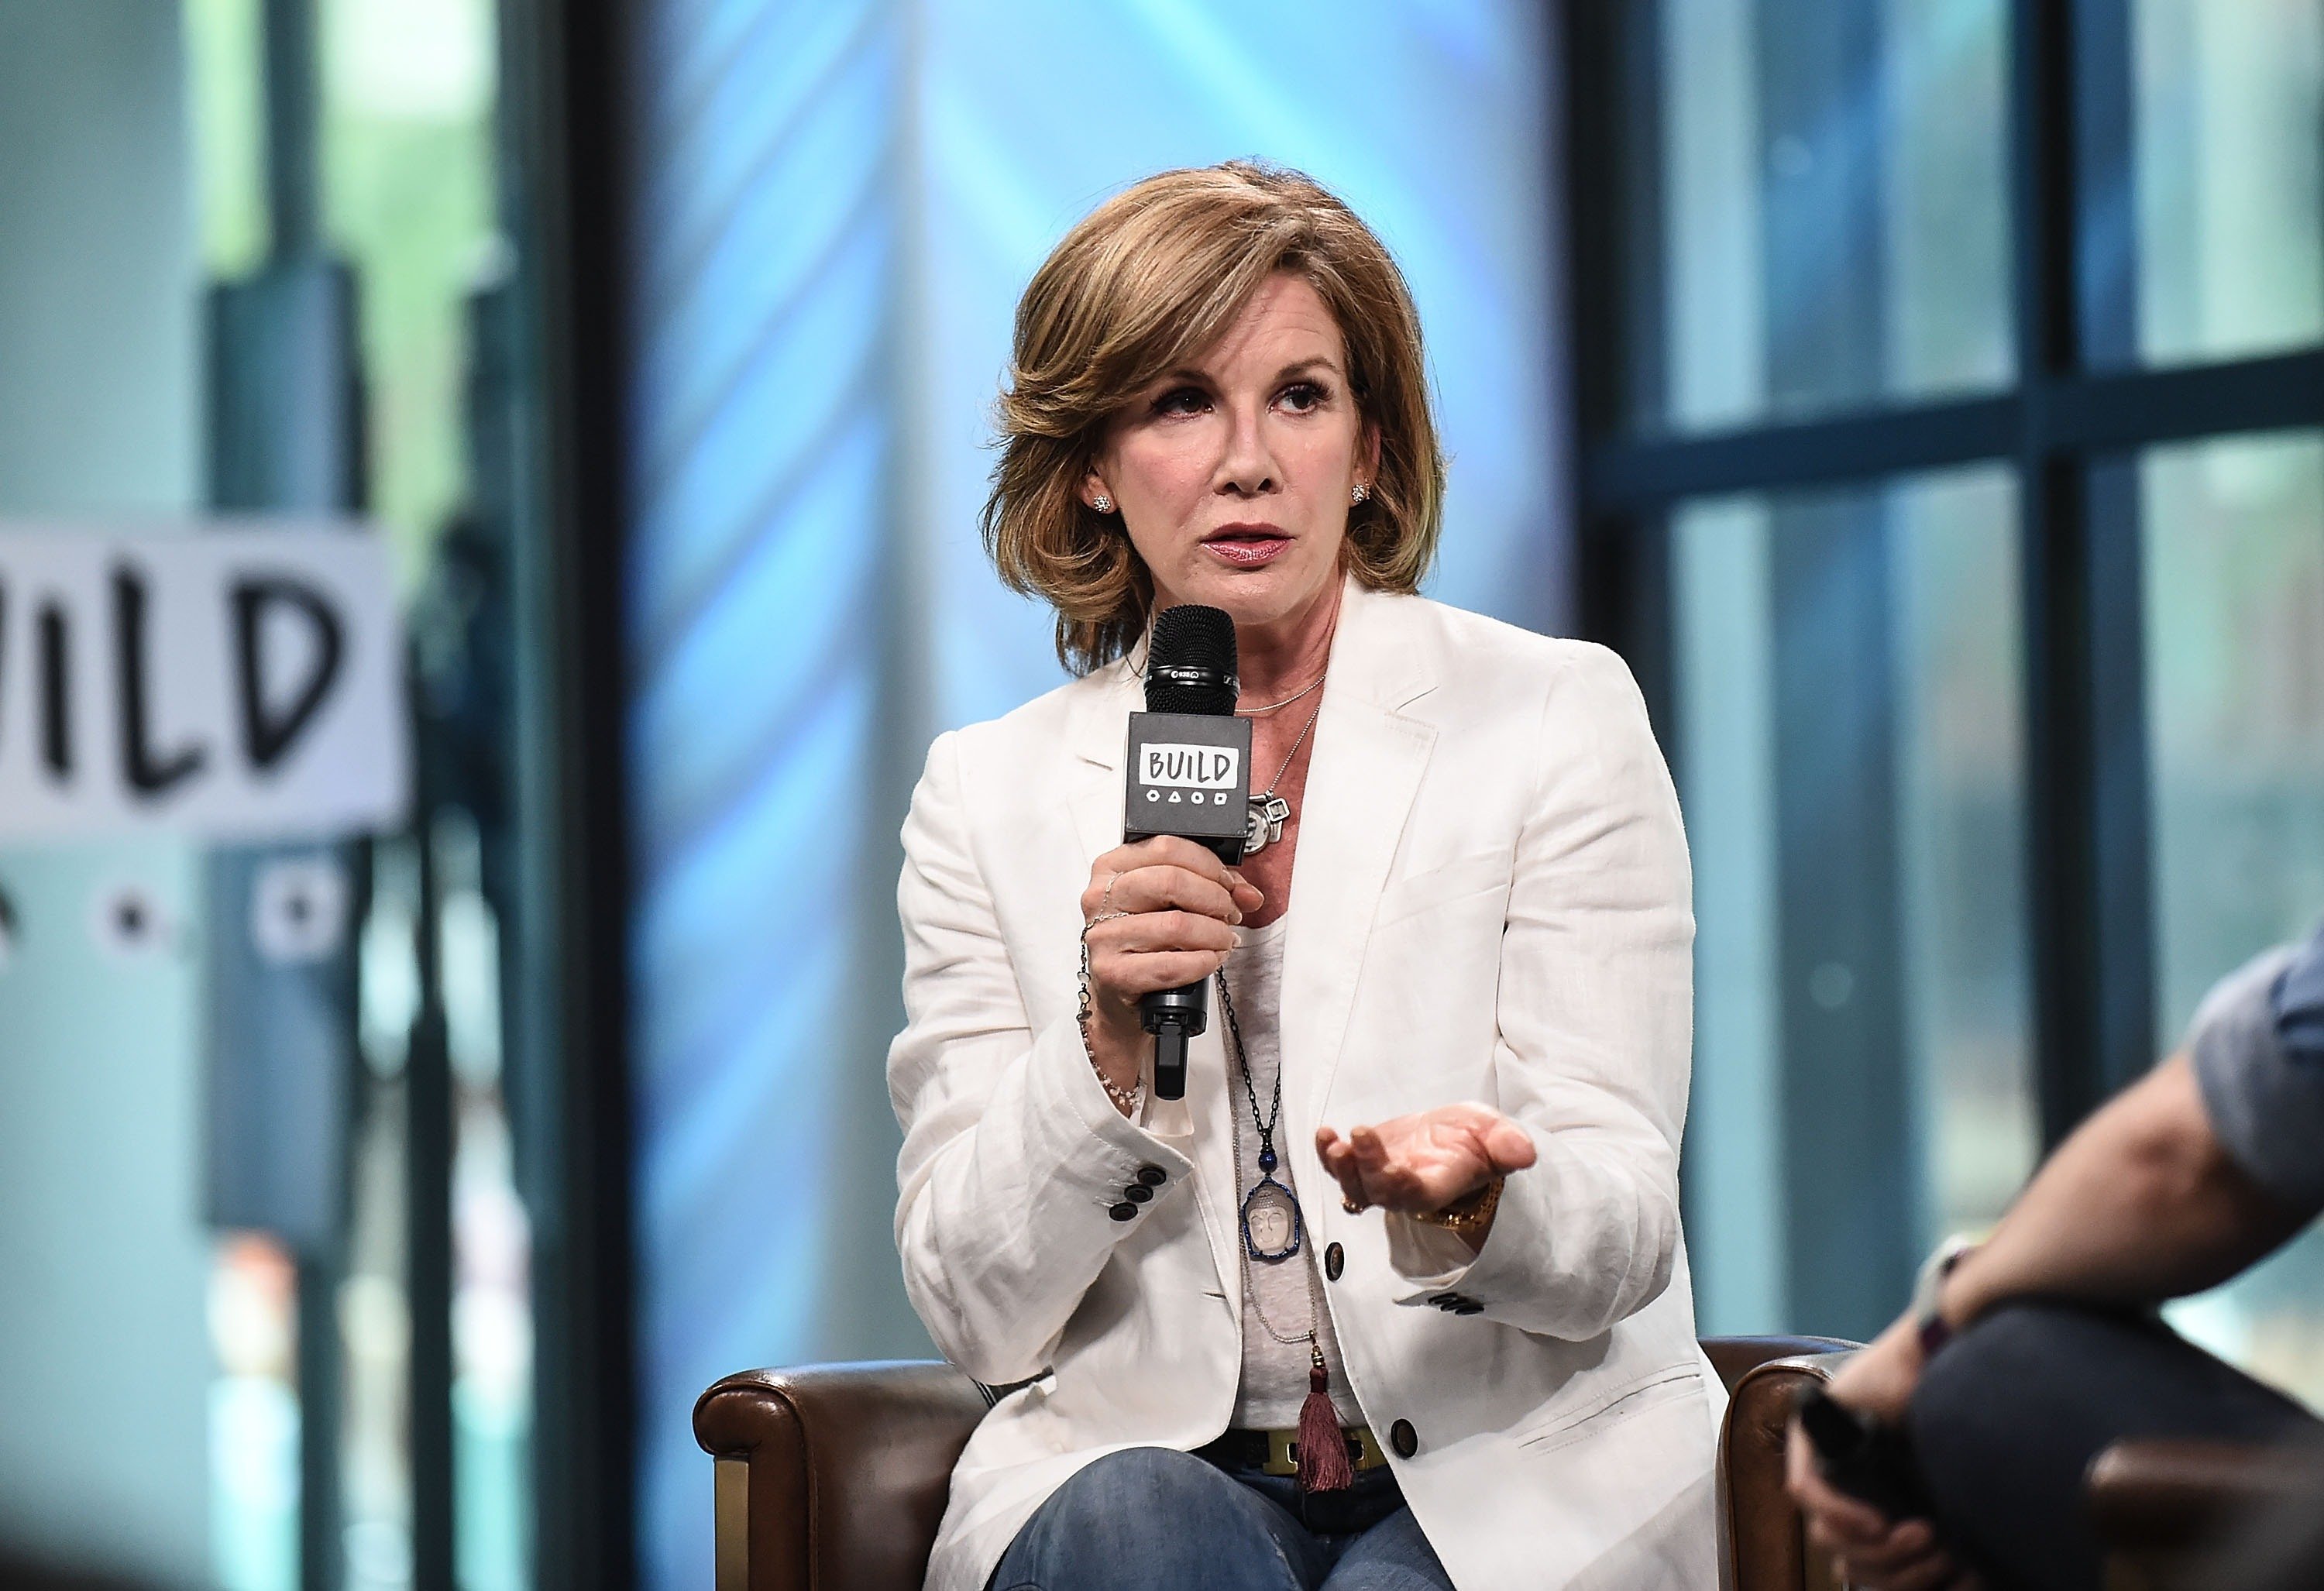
[1358,493]
[1102,503]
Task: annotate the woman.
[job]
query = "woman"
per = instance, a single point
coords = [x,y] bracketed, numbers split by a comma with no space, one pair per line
[1454,987]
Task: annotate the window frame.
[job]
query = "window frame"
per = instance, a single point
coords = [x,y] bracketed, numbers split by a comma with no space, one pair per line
[2089,857]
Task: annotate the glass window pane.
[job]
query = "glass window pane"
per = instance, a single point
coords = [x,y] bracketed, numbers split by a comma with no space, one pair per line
[1834,227]
[1850,764]
[2227,142]
[2233,537]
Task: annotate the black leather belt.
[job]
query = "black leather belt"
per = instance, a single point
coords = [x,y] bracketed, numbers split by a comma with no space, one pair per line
[1277,1452]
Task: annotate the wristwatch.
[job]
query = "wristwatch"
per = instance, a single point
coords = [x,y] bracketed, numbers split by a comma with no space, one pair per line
[1468,1216]
[1928,1320]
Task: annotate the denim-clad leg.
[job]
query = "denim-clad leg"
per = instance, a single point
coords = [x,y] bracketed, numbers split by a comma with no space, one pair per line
[1149,1519]
[1391,1555]
[1369,1540]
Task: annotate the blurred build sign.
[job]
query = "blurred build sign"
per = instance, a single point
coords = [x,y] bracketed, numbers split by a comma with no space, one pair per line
[243,683]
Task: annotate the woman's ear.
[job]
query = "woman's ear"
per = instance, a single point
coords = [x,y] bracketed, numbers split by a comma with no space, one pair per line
[1368,455]
[1094,496]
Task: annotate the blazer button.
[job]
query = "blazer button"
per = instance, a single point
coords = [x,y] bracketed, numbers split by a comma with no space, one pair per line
[1137,1193]
[1404,1438]
[1124,1211]
[1153,1176]
[1335,1259]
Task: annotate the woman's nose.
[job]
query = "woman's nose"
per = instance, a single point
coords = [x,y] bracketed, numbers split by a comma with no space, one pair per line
[1246,468]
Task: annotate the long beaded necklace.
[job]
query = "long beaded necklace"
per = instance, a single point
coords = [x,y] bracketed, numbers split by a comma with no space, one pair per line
[1274,1231]
[1272,1227]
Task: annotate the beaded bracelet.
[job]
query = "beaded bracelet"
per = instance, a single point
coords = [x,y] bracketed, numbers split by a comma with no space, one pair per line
[1125,1099]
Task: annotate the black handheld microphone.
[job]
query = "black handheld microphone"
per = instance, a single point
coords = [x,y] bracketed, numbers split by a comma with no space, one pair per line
[1189,773]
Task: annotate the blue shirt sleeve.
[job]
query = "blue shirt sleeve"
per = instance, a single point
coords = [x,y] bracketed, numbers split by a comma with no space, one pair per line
[2257,1046]
[2300,1006]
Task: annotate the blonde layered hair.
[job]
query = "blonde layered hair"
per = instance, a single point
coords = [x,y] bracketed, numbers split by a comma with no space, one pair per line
[1144,284]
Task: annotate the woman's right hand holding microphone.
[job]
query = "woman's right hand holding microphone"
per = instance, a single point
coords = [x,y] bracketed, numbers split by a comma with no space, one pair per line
[1160,914]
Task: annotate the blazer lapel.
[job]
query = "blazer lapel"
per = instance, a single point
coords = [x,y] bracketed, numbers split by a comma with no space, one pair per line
[1099,736]
[1365,772]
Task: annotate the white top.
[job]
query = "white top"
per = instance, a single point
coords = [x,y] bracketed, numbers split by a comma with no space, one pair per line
[1288,1293]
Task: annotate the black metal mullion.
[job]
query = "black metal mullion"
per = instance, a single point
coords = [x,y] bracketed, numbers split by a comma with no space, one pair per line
[2134,409]
[2120,411]
[429,1257]
[2060,874]
[1638,473]
[2057,415]
[567,86]
[1612,176]
[2086,840]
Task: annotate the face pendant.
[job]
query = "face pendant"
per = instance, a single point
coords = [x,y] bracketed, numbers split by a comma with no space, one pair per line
[1272,1230]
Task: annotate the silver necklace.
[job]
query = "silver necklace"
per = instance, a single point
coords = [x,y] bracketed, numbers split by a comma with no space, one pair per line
[1269,811]
[1314,685]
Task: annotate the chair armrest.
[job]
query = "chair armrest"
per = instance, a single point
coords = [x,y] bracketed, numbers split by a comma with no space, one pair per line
[2176,1493]
[832,1478]
[1762,1545]
[2179,1514]
[1734,1358]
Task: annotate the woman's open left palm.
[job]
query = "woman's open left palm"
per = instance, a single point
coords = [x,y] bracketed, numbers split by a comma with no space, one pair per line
[1427,1159]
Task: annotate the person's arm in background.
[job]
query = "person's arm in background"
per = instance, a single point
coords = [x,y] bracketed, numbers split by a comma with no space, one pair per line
[2177,1183]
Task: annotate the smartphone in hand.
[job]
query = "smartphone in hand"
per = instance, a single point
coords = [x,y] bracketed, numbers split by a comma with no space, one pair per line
[1867,1458]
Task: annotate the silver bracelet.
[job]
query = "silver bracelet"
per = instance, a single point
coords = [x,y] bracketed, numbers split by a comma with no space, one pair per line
[1127,1099]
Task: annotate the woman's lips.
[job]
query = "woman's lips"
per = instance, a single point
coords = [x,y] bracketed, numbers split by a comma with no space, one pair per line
[1248,552]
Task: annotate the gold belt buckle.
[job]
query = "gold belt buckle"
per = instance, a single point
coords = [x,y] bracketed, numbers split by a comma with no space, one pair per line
[1283,1450]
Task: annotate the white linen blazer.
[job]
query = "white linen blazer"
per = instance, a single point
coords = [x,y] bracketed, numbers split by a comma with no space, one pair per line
[1489,903]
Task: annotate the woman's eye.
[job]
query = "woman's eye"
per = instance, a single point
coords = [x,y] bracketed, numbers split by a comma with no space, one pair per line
[1180,400]
[1302,396]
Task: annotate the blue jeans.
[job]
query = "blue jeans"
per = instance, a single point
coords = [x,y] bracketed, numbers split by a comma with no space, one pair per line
[1150,1519]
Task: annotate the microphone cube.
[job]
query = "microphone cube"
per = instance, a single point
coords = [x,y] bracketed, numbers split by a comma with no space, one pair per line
[1189,774]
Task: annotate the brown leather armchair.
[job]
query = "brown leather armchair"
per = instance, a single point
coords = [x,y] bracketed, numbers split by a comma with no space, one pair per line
[832,1478]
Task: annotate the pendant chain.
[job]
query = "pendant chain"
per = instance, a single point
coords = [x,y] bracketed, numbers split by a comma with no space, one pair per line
[1266,1139]
[1266,1129]
[1305,730]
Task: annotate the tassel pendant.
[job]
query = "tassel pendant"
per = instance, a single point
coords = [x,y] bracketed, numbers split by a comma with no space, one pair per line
[1323,1464]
